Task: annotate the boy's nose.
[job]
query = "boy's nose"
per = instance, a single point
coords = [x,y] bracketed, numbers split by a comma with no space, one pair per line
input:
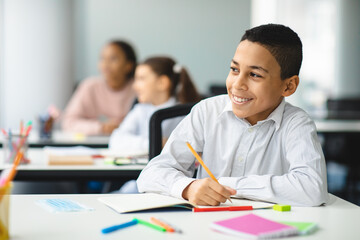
[240,82]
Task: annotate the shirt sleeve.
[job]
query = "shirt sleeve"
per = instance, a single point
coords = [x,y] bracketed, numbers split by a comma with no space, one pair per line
[127,137]
[305,184]
[171,171]
[74,119]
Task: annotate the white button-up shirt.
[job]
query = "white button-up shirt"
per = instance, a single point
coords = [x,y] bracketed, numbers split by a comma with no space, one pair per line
[133,133]
[277,160]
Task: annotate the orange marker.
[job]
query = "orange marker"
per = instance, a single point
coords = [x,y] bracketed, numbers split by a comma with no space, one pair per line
[162,224]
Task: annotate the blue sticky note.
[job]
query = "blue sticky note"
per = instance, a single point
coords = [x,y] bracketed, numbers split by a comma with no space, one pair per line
[62,205]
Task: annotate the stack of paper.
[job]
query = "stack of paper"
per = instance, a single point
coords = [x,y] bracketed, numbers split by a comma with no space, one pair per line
[252,226]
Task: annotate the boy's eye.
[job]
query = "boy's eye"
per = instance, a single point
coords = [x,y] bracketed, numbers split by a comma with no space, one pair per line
[255,75]
[233,69]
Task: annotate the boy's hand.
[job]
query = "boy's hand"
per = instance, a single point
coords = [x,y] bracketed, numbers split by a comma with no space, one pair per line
[207,192]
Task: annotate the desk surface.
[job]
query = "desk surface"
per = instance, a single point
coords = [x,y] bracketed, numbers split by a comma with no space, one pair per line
[339,220]
[38,170]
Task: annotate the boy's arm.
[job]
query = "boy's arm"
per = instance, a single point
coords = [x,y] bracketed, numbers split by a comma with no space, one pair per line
[304,185]
[171,172]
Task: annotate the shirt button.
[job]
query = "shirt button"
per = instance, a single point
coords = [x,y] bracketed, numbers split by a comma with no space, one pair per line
[240,159]
[250,130]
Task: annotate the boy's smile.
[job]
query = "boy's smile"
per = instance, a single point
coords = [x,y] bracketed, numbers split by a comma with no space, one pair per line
[254,84]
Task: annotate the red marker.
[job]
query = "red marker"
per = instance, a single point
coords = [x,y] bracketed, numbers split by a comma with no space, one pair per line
[215,209]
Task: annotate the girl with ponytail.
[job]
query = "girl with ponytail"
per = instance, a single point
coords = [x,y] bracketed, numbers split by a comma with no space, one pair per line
[159,83]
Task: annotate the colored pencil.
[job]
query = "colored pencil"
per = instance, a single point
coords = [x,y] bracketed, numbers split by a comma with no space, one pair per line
[13,170]
[203,164]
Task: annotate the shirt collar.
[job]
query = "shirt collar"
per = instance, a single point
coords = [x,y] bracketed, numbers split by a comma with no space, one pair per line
[227,108]
[276,115]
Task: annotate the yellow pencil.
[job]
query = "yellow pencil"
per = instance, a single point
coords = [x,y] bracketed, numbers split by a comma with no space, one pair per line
[202,163]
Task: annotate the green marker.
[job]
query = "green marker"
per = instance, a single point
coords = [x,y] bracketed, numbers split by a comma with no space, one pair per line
[109,161]
[156,227]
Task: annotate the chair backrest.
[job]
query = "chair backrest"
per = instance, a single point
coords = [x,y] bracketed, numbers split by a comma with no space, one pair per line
[155,134]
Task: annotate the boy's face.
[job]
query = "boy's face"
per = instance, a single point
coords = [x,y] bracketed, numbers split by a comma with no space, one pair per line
[254,84]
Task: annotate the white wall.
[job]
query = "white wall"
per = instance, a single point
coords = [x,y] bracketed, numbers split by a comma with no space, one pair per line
[37,58]
[48,45]
[1,55]
[314,22]
[348,49]
[201,34]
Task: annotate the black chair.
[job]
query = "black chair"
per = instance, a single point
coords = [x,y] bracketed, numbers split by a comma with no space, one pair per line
[155,134]
[217,89]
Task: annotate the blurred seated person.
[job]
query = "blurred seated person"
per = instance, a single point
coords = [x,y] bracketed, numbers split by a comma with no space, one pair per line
[100,103]
[159,83]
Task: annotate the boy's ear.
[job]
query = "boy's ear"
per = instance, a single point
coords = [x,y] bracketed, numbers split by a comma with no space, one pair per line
[291,85]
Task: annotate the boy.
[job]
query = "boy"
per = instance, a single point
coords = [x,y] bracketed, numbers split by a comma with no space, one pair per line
[257,145]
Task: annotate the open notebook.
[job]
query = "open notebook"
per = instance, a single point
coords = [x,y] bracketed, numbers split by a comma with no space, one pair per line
[125,203]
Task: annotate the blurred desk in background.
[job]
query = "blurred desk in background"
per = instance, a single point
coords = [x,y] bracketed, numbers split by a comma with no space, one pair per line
[65,139]
[338,126]
[38,170]
[340,140]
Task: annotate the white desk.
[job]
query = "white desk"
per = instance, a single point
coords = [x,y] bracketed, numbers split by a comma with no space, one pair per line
[338,220]
[38,170]
[335,126]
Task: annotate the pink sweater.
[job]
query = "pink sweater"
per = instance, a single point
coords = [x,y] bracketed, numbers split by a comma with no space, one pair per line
[93,102]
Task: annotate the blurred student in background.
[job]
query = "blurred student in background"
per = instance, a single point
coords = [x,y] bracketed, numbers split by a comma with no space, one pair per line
[159,83]
[100,103]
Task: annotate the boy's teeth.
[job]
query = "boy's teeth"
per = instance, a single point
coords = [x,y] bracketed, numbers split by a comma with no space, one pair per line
[241,99]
